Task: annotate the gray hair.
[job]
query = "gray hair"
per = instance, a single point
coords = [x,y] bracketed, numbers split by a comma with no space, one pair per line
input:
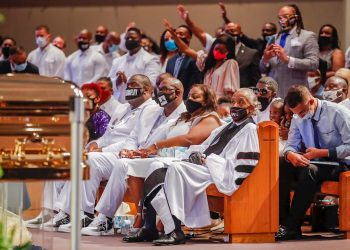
[251,97]
[270,82]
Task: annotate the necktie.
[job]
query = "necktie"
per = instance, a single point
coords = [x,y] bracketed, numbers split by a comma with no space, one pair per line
[316,139]
[283,39]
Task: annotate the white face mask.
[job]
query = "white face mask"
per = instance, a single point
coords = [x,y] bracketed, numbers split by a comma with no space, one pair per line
[331,95]
[41,41]
[313,81]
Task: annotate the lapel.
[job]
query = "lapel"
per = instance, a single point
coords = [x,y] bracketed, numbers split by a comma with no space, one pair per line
[292,36]
[240,52]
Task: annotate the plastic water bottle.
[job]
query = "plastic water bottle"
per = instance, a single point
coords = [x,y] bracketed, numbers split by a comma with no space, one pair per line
[125,226]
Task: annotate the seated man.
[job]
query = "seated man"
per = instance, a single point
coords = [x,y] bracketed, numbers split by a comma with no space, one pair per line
[335,89]
[17,63]
[122,122]
[323,129]
[226,158]
[266,90]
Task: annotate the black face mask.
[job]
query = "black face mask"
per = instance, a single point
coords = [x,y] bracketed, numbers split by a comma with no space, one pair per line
[184,39]
[99,38]
[192,106]
[6,51]
[133,93]
[131,44]
[238,113]
[83,46]
[164,99]
[264,101]
[324,41]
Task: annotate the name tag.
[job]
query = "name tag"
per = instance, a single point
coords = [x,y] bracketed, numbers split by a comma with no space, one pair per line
[295,42]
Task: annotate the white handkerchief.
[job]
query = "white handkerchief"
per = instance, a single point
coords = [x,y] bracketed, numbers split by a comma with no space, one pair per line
[295,42]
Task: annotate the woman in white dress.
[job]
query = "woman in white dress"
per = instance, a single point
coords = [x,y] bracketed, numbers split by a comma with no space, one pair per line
[178,194]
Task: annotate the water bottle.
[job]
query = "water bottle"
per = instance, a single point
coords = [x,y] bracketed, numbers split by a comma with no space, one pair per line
[125,226]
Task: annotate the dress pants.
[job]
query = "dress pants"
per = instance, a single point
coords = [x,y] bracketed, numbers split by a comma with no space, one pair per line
[307,182]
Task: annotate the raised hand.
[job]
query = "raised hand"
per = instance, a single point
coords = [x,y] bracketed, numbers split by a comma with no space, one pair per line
[121,78]
[223,9]
[184,14]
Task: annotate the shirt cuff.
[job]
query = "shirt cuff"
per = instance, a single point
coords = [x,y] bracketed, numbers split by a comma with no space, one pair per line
[291,62]
[333,153]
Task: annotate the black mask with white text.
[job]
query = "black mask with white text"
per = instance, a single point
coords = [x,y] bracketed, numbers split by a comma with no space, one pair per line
[238,114]
[164,99]
[132,93]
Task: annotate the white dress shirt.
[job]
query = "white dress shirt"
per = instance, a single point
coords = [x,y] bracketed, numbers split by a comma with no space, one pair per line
[49,60]
[109,57]
[85,67]
[121,125]
[140,63]
[111,106]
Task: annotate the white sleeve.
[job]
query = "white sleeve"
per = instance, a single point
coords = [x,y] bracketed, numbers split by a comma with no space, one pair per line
[101,67]
[152,69]
[59,64]
[209,40]
[67,73]
[122,43]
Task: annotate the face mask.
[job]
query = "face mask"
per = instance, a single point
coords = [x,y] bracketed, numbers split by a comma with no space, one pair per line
[331,95]
[218,56]
[192,106]
[170,45]
[324,41]
[287,23]
[41,41]
[5,51]
[312,81]
[308,115]
[267,38]
[237,38]
[184,39]
[132,93]
[164,99]
[99,38]
[131,44]
[112,48]
[264,101]
[20,67]
[83,46]
[227,119]
[238,113]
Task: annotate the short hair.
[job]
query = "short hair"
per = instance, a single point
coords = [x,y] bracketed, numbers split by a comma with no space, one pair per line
[186,27]
[224,99]
[251,97]
[278,101]
[137,30]
[175,82]
[143,80]
[296,95]
[17,50]
[270,82]
[106,79]
[274,26]
[9,38]
[43,27]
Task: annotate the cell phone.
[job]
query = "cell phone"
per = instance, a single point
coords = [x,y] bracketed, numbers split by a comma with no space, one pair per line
[272,39]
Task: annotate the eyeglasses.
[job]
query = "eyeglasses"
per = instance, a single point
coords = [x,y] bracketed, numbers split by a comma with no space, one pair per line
[262,92]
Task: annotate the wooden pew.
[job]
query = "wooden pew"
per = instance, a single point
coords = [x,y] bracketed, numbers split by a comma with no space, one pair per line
[251,213]
[341,189]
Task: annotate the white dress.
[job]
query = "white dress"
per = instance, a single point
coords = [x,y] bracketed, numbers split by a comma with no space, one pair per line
[185,183]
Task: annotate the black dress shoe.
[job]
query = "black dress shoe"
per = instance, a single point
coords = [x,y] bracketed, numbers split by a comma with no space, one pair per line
[141,235]
[174,238]
[284,233]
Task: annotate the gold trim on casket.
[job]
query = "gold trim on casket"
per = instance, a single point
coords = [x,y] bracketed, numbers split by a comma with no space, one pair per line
[35,129]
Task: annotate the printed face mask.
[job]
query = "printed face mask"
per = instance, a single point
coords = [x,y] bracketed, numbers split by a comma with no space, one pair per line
[238,113]
[164,99]
[331,95]
[132,93]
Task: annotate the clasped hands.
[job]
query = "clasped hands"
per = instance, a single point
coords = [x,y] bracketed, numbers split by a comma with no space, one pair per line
[139,153]
[273,50]
[303,160]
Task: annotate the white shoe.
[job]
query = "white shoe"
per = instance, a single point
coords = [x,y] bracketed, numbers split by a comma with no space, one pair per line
[67,228]
[39,220]
[218,228]
[99,227]
[49,226]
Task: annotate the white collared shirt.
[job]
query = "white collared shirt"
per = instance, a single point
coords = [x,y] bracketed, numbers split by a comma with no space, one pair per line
[140,63]
[49,60]
[85,67]
[109,57]
[111,106]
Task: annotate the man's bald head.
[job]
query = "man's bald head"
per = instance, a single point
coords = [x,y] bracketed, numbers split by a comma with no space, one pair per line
[85,35]
[233,29]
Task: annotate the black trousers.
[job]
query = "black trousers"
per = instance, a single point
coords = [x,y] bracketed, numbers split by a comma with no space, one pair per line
[307,181]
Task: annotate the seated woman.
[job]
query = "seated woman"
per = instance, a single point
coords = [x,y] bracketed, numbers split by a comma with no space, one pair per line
[192,127]
[99,119]
[178,194]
